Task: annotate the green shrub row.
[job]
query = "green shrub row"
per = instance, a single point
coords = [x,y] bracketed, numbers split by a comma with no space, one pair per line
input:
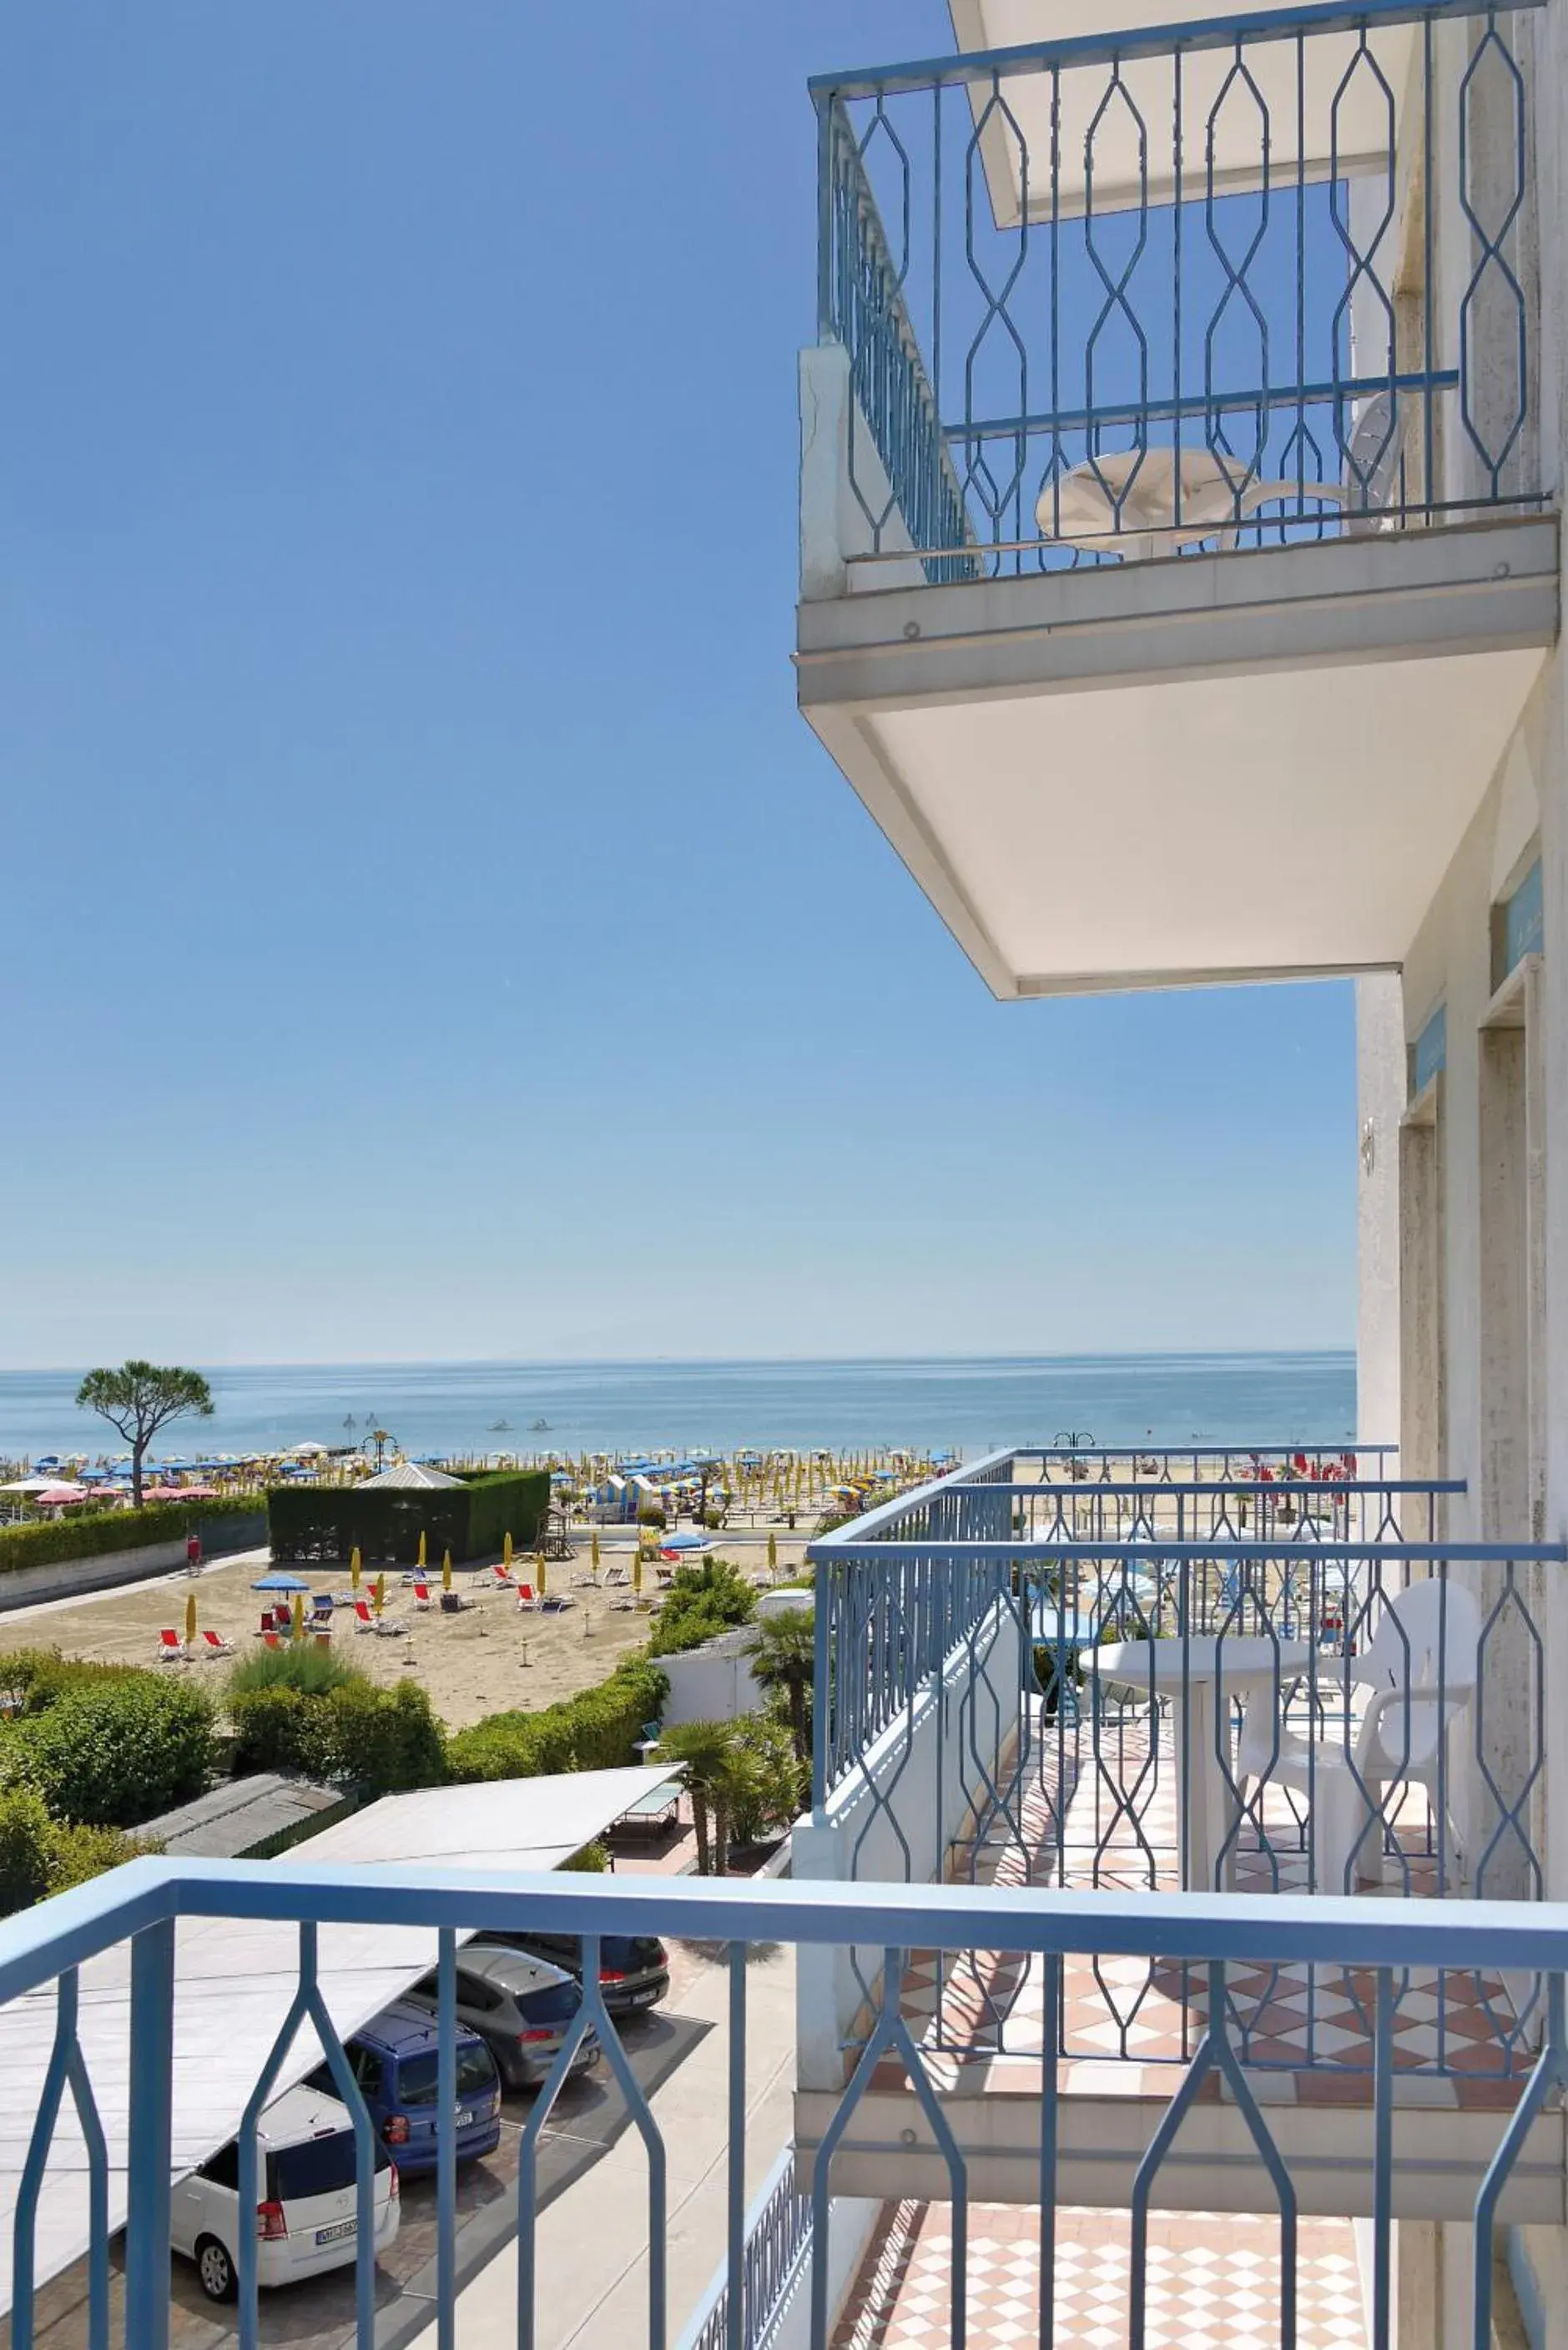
[379,1742]
[40,1855]
[113,1752]
[595,1730]
[471,1518]
[90,1533]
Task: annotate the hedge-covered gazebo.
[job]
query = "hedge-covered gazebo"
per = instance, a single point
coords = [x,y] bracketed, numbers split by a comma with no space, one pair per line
[469,1514]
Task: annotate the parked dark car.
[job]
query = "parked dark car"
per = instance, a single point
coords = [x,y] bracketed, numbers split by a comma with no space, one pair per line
[395,2060]
[634,1969]
[520,2005]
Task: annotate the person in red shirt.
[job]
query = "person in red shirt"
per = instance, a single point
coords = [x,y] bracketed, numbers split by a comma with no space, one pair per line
[192,1553]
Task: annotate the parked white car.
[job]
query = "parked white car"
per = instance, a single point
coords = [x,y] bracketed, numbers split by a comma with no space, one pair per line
[307,2220]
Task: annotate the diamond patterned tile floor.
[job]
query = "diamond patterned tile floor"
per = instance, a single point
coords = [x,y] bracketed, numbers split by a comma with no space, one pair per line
[1213,2282]
[1119,1827]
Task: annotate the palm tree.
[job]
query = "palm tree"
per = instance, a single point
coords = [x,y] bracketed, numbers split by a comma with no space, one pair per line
[713,1762]
[782,1653]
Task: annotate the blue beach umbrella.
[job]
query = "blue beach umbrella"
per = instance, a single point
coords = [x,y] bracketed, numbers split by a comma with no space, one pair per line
[278,1581]
[686,1542]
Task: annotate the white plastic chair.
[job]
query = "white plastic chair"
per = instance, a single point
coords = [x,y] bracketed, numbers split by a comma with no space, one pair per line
[1124,502]
[1432,1626]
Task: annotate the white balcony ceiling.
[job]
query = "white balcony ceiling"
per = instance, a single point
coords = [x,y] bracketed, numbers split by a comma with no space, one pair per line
[1207,828]
[1362,130]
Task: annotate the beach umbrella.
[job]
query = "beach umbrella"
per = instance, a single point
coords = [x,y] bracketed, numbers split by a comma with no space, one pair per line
[423,1553]
[539,1571]
[190,1621]
[637,1572]
[297,1630]
[594,1549]
[506,1552]
[354,1566]
[276,1580]
[380,1592]
[773,1553]
[446,1570]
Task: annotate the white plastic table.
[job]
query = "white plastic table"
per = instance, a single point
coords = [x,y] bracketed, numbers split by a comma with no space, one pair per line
[1246,1666]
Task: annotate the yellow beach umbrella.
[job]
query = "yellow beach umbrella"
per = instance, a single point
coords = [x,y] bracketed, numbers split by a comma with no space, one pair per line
[446,1570]
[637,1573]
[297,1630]
[594,1551]
[425,1553]
[773,1553]
[506,1552]
[539,1571]
[380,1592]
[354,1566]
[190,1621]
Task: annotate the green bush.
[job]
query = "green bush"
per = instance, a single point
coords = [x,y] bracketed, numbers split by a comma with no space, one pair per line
[379,1742]
[40,1855]
[90,1533]
[299,1665]
[688,1627]
[385,1523]
[591,1861]
[707,1596]
[32,1678]
[114,1752]
[81,1853]
[595,1730]
[652,1514]
[273,1728]
[26,1836]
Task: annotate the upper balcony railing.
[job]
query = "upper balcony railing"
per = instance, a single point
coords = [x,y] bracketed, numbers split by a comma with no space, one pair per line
[1264,278]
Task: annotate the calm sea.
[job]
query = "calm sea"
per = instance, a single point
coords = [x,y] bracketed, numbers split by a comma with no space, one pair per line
[969,1406]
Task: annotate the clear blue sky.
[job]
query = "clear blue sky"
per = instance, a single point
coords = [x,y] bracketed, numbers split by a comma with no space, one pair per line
[428,929]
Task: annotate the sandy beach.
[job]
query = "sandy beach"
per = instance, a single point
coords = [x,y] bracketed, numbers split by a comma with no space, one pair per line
[491,1658]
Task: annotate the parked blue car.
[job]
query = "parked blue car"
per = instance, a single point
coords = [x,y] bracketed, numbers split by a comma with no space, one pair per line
[395,2057]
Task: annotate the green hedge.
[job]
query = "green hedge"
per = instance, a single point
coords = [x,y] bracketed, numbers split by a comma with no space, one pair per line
[90,1533]
[379,1742]
[595,1730]
[385,1523]
[112,1753]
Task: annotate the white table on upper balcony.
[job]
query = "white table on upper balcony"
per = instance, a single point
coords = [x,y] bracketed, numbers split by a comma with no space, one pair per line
[1193,1674]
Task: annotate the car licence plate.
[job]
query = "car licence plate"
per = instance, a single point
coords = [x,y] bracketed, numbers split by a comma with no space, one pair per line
[465,2119]
[334,2234]
[644,1998]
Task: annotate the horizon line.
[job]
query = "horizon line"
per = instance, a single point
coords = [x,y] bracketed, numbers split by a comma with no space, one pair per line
[699,1362]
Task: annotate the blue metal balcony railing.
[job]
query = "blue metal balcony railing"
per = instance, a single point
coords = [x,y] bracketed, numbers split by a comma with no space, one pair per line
[881,1638]
[777,2249]
[1384,1946]
[1244,282]
[1111,1687]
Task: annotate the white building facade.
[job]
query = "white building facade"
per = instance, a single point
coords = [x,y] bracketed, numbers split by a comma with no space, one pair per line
[1182,456]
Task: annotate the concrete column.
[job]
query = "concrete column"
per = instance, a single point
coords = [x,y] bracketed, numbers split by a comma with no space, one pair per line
[1380,1105]
[1423,1406]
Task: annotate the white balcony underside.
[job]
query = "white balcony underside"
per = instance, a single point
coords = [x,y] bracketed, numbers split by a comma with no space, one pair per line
[1231,766]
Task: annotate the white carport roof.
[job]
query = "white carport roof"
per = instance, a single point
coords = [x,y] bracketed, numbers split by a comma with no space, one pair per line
[234,1980]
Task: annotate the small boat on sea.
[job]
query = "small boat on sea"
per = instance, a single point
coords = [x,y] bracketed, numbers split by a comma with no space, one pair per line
[537,1426]
[499,1427]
